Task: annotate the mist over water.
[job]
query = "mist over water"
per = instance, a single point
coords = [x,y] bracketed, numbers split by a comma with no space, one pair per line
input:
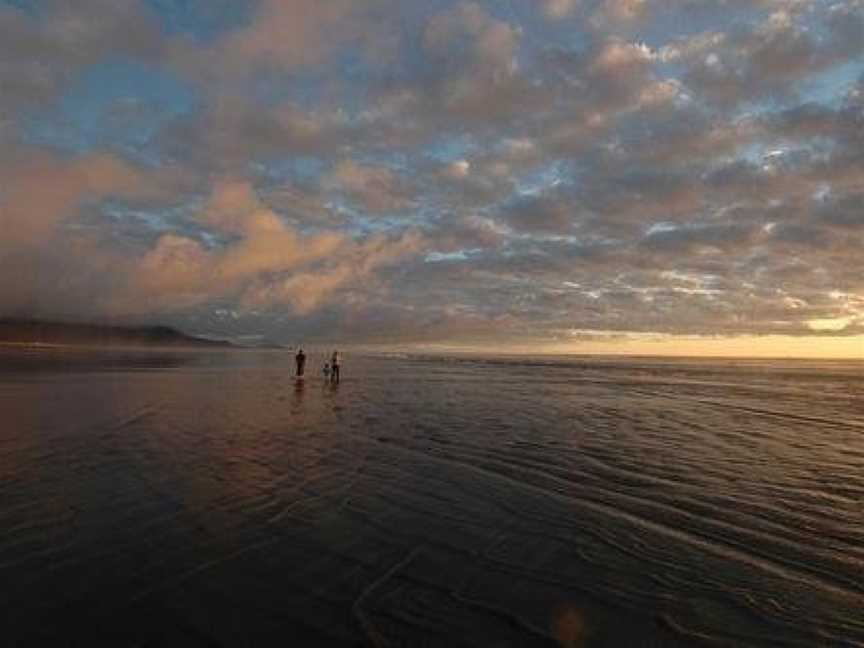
[208,499]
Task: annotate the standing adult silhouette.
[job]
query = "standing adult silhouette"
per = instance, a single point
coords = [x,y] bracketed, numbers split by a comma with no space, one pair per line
[300,359]
[334,367]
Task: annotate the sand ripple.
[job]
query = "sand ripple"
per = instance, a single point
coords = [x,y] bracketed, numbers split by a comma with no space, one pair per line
[427,501]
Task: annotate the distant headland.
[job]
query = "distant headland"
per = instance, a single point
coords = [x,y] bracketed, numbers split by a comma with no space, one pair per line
[32,332]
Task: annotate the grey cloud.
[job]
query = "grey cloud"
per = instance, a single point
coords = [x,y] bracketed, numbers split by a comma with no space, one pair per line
[715,237]
[767,59]
[606,77]
[800,235]
[846,210]
[598,188]
[377,188]
[804,120]
[644,194]
[684,136]
[453,232]
[844,125]
[468,72]
[539,214]
[234,132]
[42,53]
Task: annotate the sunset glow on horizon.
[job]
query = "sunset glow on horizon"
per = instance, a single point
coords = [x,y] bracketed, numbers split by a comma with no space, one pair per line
[766,347]
[642,177]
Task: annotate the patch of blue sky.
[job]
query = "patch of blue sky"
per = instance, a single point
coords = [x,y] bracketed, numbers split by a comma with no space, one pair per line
[202,20]
[764,153]
[151,220]
[539,34]
[549,238]
[428,215]
[458,255]
[272,87]
[661,227]
[295,169]
[451,148]
[831,86]
[394,160]
[31,7]
[828,88]
[313,87]
[156,220]
[755,152]
[354,67]
[117,105]
[378,225]
[356,221]
[670,22]
[817,21]
[543,179]
[211,240]
[359,223]
[115,221]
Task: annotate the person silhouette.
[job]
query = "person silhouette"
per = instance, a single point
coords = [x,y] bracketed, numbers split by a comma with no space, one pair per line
[334,367]
[300,359]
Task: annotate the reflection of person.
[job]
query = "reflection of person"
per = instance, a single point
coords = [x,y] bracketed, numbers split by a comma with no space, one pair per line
[334,367]
[300,359]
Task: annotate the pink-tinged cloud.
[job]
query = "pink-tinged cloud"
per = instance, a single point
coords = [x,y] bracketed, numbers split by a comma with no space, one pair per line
[46,264]
[376,188]
[295,34]
[558,9]
[435,168]
[40,190]
[269,263]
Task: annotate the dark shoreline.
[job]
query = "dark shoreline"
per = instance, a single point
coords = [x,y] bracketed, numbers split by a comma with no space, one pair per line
[58,333]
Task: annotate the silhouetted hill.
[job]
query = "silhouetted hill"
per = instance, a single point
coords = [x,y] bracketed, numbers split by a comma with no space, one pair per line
[41,332]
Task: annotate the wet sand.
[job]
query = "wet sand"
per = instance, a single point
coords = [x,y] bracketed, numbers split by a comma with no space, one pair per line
[207,499]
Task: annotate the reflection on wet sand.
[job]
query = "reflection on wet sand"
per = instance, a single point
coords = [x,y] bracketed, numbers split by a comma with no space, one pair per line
[429,503]
[47,359]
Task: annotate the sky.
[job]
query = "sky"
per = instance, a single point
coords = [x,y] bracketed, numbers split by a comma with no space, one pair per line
[635,176]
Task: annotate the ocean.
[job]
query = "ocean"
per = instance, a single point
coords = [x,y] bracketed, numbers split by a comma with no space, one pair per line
[206,498]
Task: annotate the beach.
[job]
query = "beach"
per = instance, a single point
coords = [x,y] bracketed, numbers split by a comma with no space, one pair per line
[207,498]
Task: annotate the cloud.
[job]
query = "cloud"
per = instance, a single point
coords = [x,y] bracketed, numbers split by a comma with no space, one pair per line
[693,47]
[294,34]
[539,214]
[454,233]
[489,41]
[768,58]
[473,72]
[378,189]
[844,210]
[43,50]
[713,238]
[458,169]
[265,264]
[557,9]
[32,214]
[620,11]
[350,266]
[600,85]
[418,171]
[235,130]
[46,264]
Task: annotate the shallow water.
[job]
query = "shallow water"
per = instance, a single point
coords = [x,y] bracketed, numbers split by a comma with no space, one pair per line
[206,499]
